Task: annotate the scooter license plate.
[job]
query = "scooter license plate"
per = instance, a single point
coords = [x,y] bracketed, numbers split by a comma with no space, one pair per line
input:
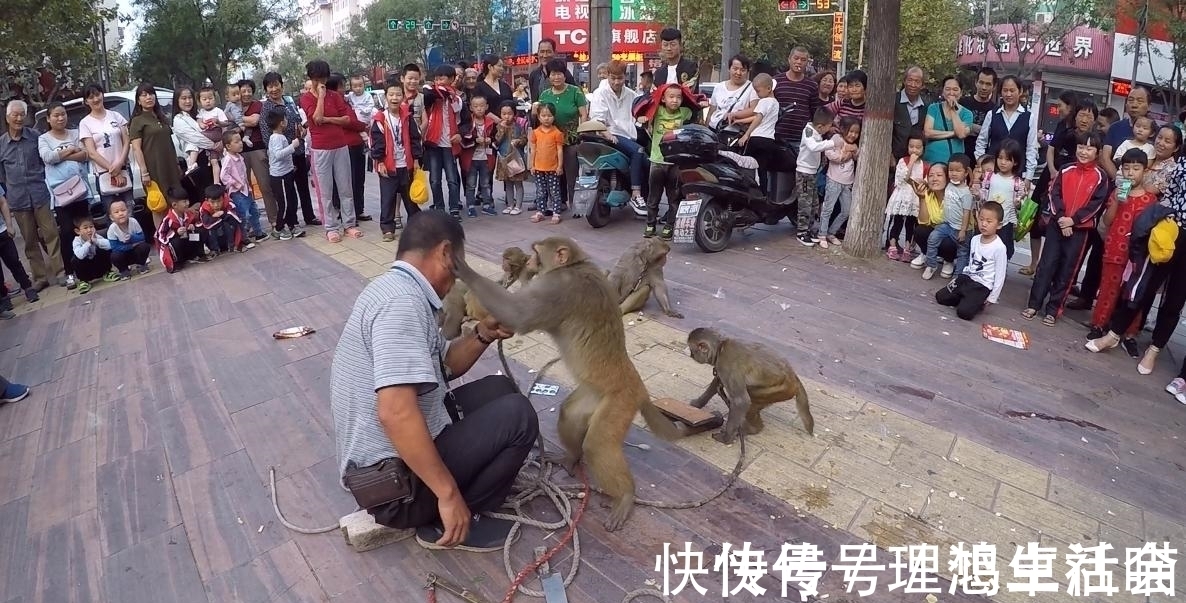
[685,219]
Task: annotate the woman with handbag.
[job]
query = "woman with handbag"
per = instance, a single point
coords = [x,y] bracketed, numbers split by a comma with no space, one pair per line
[105,135]
[734,95]
[65,164]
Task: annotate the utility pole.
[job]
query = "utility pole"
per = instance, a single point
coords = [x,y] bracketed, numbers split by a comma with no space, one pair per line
[844,27]
[731,40]
[987,32]
[864,35]
[601,33]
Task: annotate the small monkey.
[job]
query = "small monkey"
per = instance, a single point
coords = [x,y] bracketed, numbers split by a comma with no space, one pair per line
[460,305]
[639,274]
[749,377]
[572,301]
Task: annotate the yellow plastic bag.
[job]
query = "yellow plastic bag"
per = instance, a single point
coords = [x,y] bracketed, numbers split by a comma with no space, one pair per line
[419,187]
[154,198]
[1162,241]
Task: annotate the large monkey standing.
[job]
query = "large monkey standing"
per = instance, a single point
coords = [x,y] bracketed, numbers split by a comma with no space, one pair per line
[571,300]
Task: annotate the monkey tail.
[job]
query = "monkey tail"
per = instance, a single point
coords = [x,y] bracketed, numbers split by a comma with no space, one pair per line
[804,408]
[658,422]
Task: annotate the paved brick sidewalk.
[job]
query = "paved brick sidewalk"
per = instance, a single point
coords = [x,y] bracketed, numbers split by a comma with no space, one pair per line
[883,476]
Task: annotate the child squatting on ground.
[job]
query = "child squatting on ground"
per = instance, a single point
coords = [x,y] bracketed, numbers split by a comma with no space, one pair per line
[224,228]
[92,254]
[129,245]
[179,237]
[983,278]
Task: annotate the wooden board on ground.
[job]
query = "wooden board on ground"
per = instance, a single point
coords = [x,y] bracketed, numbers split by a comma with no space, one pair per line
[697,419]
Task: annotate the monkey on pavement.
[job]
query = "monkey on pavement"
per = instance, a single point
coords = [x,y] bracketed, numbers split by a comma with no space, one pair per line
[639,273]
[460,304]
[572,301]
[749,377]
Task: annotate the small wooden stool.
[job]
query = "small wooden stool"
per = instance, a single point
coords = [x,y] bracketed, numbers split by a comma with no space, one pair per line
[697,419]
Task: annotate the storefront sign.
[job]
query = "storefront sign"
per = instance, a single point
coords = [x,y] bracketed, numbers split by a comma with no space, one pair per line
[1083,49]
[573,37]
[837,36]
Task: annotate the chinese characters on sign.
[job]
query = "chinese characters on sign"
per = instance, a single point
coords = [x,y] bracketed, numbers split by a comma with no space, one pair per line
[567,22]
[1147,571]
[1083,49]
[632,10]
[837,36]
[625,57]
[520,60]
[413,24]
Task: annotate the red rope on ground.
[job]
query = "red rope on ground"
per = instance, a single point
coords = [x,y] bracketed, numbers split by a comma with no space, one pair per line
[532,567]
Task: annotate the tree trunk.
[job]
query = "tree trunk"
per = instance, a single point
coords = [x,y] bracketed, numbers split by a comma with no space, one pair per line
[864,237]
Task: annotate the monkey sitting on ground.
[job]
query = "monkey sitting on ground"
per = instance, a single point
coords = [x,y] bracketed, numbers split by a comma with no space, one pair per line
[749,377]
[460,305]
[639,273]
[571,300]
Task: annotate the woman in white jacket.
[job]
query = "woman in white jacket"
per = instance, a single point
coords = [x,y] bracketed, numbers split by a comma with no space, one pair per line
[188,132]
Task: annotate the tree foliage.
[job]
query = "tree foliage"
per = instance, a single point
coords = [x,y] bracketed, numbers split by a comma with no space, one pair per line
[49,46]
[1171,16]
[929,29]
[191,41]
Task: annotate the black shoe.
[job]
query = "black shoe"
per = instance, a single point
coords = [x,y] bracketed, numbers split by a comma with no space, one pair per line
[805,239]
[6,304]
[456,215]
[1095,333]
[364,218]
[667,233]
[313,222]
[649,231]
[1078,303]
[486,535]
[1130,345]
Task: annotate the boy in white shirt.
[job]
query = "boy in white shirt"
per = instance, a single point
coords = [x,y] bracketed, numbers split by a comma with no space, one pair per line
[816,139]
[983,278]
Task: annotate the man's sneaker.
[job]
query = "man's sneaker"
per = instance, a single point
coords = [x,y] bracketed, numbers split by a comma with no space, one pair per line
[125,275]
[1177,388]
[918,262]
[31,295]
[261,237]
[489,210]
[472,212]
[486,535]
[143,269]
[456,215]
[805,239]
[928,273]
[15,392]
[1130,345]
[71,282]
[285,235]
[297,232]
[649,231]
[275,235]
[7,315]
[388,237]
[667,233]
[948,268]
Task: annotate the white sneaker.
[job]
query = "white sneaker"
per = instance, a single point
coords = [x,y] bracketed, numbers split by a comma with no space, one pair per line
[1177,388]
[918,262]
[948,268]
[928,273]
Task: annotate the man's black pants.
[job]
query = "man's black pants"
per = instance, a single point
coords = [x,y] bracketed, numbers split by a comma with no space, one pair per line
[484,451]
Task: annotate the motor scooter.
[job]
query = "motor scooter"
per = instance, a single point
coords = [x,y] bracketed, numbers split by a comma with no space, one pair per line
[719,187]
[603,182]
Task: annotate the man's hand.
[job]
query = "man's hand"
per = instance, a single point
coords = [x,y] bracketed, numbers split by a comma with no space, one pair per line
[962,235]
[455,518]
[490,328]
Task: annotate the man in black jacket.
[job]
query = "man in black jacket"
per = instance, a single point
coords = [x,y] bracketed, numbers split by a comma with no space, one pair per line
[537,79]
[678,69]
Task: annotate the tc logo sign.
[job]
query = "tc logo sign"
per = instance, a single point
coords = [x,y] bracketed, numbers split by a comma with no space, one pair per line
[578,37]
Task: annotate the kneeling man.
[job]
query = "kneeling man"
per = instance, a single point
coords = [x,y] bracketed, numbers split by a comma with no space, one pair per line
[460,450]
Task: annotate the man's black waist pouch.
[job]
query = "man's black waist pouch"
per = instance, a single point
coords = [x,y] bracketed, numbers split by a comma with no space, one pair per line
[388,481]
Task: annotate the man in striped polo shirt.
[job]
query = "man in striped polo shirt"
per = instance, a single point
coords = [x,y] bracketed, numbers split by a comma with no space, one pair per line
[390,398]
[798,98]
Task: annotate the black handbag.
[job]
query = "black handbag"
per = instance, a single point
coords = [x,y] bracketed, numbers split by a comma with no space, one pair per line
[386,482]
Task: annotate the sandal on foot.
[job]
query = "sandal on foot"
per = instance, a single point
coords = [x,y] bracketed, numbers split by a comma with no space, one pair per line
[354,233]
[83,287]
[538,217]
[1049,320]
[555,218]
[1026,271]
[111,277]
[1029,313]
[333,236]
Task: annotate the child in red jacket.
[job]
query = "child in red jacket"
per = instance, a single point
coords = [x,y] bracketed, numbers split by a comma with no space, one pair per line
[396,148]
[477,158]
[1077,197]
